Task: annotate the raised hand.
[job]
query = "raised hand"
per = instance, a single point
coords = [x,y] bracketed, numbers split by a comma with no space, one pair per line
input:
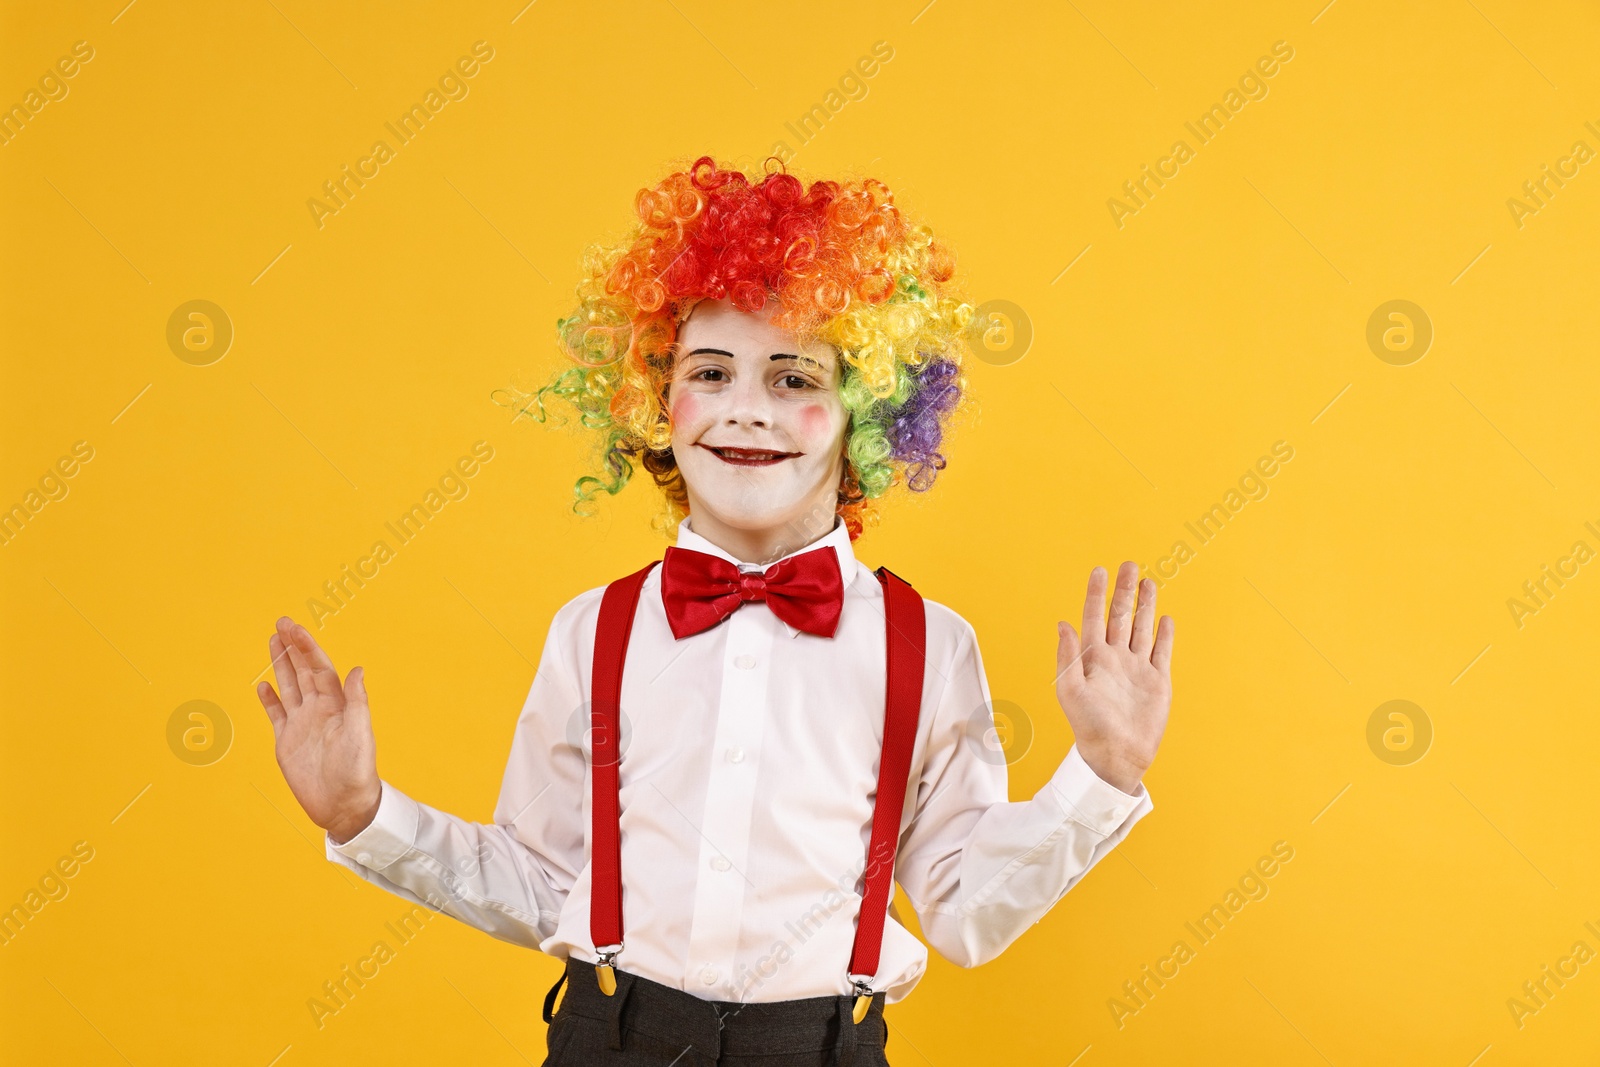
[1115,684]
[324,746]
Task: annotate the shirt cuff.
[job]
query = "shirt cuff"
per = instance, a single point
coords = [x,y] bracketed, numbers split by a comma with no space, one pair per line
[390,835]
[1089,799]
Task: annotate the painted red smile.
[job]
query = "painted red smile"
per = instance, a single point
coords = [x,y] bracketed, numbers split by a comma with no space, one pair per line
[749,457]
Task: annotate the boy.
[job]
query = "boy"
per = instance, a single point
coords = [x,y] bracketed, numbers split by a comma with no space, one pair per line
[791,729]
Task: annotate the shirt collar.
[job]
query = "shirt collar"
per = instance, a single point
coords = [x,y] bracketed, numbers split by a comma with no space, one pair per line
[837,539]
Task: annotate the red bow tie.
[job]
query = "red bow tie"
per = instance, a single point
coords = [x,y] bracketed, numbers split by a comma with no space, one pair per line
[699,590]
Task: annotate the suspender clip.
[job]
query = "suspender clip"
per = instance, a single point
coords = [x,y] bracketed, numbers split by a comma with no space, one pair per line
[863,1001]
[605,971]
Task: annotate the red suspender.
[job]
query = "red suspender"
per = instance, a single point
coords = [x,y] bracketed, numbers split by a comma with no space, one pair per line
[605,694]
[905,626]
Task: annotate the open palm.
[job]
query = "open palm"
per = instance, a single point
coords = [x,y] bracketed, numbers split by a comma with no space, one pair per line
[1115,683]
[323,729]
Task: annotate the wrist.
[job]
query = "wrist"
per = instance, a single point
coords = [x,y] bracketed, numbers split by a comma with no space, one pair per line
[360,818]
[1113,767]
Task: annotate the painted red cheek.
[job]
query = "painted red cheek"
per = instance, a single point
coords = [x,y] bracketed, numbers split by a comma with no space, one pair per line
[683,409]
[814,420]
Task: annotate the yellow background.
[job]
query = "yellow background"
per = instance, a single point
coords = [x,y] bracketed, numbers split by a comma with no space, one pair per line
[1228,314]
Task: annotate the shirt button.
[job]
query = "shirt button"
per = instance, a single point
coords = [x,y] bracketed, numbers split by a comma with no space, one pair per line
[364,858]
[745,663]
[720,863]
[736,754]
[709,976]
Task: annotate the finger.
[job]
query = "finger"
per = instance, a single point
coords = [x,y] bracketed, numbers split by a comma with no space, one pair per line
[1161,655]
[283,670]
[1121,624]
[304,677]
[274,706]
[1069,654]
[323,673]
[1094,609]
[1144,618]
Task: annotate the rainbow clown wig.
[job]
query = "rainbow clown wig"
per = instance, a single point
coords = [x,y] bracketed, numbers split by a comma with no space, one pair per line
[845,266]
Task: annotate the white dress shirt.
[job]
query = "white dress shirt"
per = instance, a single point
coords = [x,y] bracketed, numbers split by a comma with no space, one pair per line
[749,761]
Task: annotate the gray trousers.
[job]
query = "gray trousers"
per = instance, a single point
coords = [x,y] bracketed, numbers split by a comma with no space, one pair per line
[647,1024]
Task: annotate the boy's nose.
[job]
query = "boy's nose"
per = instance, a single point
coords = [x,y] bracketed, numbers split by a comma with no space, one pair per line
[750,404]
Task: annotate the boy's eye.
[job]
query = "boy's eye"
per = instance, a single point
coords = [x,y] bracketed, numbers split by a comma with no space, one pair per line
[789,381]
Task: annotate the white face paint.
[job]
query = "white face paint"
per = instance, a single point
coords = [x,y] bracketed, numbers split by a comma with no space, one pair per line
[757,430]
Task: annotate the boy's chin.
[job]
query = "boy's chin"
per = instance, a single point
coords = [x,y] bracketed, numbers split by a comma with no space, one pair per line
[752,512]
[747,516]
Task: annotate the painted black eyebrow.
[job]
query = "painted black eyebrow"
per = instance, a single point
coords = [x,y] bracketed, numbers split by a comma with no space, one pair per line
[720,352]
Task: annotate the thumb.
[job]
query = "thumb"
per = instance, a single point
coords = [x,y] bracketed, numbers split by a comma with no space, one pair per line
[274,706]
[1069,658]
[355,686]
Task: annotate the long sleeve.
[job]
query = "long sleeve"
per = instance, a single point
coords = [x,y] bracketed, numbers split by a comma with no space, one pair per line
[509,878]
[978,869]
